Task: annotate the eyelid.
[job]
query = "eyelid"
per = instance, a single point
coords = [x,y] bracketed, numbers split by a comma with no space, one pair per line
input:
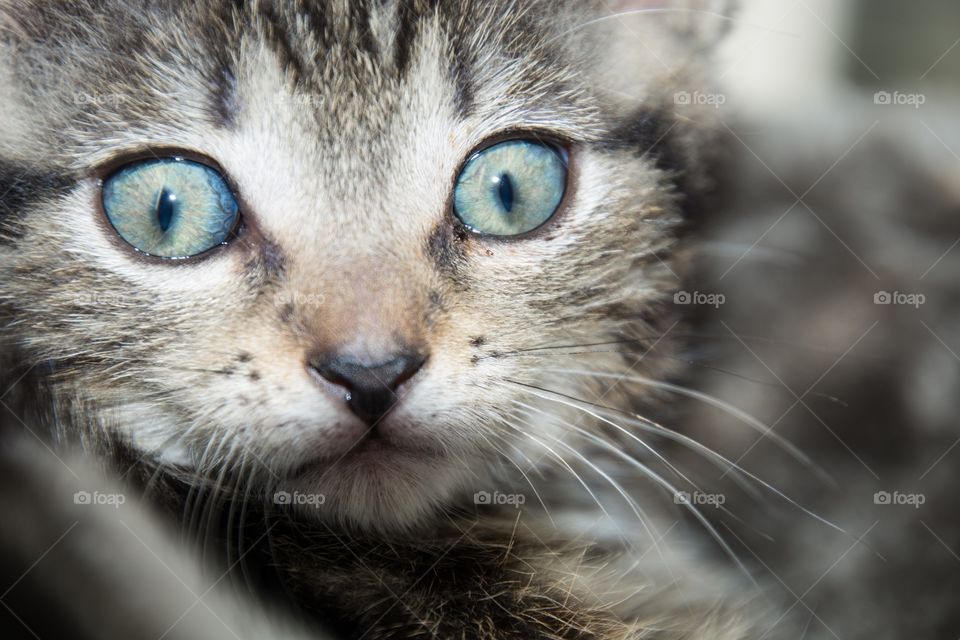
[550,138]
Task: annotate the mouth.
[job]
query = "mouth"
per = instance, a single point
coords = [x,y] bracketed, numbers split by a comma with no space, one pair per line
[374,443]
[368,451]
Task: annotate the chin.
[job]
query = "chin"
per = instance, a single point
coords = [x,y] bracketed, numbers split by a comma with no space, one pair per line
[381,489]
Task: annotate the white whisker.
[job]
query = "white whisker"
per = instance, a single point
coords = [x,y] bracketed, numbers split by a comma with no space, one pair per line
[523,473]
[643,423]
[726,407]
[657,429]
[573,472]
[674,492]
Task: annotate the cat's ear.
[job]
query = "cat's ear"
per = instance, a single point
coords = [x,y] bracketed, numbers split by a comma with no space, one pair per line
[647,45]
[700,22]
[660,57]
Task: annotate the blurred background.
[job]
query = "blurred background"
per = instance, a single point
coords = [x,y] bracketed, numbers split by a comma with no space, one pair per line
[844,140]
[791,51]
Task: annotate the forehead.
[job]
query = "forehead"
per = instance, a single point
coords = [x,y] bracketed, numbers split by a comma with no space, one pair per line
[351,108]
[358,63]
[371,79]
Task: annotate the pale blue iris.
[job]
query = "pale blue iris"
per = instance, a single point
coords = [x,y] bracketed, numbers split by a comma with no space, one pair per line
[510,188]
[170,207]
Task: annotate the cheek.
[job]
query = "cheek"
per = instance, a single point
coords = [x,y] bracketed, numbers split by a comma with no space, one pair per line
[263,397]
[251,366]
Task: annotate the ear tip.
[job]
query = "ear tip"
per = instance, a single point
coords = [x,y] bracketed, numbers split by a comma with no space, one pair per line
[720,6]
[702,23]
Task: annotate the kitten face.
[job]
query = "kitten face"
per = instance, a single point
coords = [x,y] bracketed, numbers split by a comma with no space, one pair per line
[341,131]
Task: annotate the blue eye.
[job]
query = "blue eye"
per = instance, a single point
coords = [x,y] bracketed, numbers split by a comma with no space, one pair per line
[170,207]
[510,188]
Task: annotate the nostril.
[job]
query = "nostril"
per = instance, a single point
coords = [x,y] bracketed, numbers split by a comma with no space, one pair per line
[354,374]
[371,387]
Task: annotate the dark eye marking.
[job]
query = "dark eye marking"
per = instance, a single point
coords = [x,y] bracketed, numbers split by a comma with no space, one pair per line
[22,186]
[445,247]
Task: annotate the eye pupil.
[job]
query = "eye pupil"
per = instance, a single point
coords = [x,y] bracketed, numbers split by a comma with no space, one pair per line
[505,191]
[166,208]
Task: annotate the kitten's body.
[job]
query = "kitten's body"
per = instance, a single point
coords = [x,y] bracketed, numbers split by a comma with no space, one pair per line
[342,125]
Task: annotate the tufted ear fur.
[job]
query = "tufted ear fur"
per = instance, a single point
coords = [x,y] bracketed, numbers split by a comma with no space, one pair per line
[658,64]
[703,21]
[657,48]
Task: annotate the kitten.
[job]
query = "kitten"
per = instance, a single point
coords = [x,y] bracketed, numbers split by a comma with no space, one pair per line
[340,387]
